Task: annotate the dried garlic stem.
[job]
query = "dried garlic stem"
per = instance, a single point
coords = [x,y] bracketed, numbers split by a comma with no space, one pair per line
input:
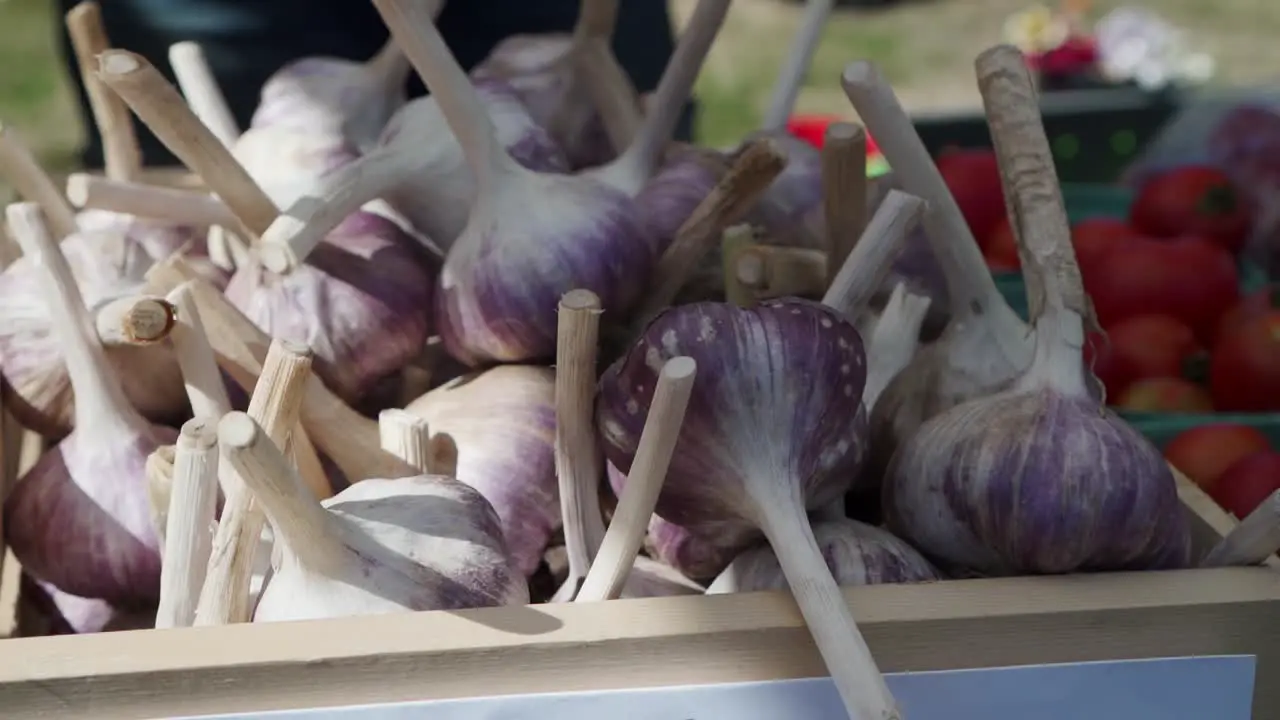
[578,459]
[134,320]
[443,456]
[1059,307]
[189,535]
[839,641]
[275,404]
[159,105]
[894,340]
[868,265]
[175,205]
[302,526]
[648,471]
[406,436]
[120,151]
[596,68]
[970,287]
[800,55]
[844,189]
[159,472]
[200,88]
[1253,541]
[611,91]
[205,389]
[347,437]
[725,205]
[19,167]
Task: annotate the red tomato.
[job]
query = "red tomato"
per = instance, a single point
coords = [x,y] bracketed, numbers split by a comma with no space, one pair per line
[973,176]
[1094,237]
[1203,453]
[1255,304]
[1248,482]
[1001,247]
[1244,370]
[1193,200]
[1188,278]
[1166,395]
[1141,347]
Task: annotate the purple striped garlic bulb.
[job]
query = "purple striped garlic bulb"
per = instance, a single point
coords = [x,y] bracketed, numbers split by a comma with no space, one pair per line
[856,553]
[776,410]
[80,518]
[361,301]
[1040,477]
[335,96]
[37,385]
[539,68]
[531,237]
[503,423]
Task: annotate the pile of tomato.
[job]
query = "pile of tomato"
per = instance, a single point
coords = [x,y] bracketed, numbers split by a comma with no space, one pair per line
[1178,335]
[1234,464]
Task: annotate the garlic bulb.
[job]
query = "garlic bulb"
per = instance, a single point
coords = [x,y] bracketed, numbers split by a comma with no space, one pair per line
[1039,478]
[38,387]
[546,72]
[419,543]
[418,168]
[770,433]
[531,236]
[80,519]
[288,164]
[361,301]
[503,422]
[325,95]
[856,553]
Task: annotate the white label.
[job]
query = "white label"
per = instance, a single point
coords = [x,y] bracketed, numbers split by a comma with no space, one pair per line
[1217,688]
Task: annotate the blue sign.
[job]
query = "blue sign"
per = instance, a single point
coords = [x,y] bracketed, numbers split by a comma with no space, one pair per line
[1220,688]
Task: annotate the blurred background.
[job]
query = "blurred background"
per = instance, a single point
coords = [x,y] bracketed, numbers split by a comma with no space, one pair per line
[925,47]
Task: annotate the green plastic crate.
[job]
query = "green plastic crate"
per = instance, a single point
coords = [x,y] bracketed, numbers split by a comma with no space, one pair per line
[1161,428]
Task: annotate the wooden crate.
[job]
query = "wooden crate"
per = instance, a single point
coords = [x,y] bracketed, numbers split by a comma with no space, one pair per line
[650,643]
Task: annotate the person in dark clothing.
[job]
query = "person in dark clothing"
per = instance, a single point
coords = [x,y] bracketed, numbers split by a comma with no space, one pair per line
[246,41]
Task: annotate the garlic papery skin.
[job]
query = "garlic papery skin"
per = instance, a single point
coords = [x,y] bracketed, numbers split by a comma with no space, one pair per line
[380,546]
[546,72]
[288,165]
[531,236]
[894,340]
[361,302]
[80,518]
[332,95]
[503,421]
[37,387]
[751,359]
[418,168]
[856,553]
[1040,478]
[985,345]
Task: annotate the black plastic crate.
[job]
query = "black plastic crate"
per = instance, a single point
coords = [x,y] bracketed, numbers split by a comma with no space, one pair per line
[1094,133]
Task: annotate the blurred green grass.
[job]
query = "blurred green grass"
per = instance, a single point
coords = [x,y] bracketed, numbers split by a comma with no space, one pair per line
[35,98]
